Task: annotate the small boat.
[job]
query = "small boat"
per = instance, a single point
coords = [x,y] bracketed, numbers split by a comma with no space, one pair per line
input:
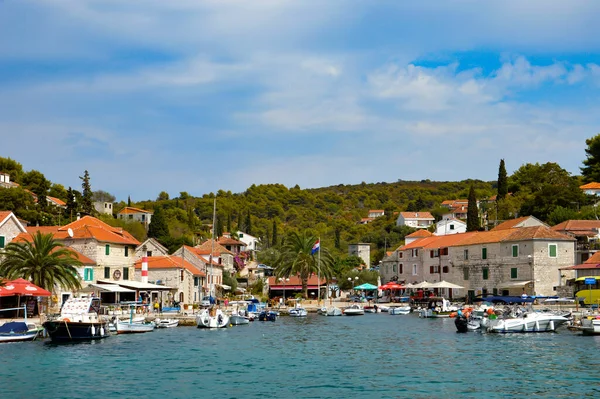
[437,307]
[166,323]
[212,318]
[400,310]
[528,322]
[590,326]
[267,315]
[239,317]
[330,311]
[354,310]
[298,312]
[129,327]
[384,308]
[78,321]
[15,331]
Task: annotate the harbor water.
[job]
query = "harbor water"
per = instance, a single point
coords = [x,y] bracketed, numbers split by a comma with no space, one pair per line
[375,356]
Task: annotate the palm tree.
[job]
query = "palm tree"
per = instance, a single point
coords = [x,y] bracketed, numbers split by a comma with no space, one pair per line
[296,258]
[44,261]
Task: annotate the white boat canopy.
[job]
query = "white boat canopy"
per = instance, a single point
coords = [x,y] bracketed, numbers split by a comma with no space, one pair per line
[106,287]
[137,285]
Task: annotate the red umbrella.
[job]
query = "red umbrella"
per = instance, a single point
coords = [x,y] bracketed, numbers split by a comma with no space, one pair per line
[22,287]
[392,286]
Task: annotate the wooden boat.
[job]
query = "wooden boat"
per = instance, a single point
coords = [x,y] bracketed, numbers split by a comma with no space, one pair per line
[372,309]
[15,331]
[130,327]
[78,321]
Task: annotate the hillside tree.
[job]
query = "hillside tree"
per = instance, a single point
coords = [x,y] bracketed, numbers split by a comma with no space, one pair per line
[591,165]
[472,211]
[87,203]
[502,181]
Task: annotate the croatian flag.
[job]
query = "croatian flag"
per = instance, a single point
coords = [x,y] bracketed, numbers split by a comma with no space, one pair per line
[316,247]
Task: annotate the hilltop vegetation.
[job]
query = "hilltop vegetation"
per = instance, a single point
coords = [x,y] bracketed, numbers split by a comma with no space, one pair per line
[272,211]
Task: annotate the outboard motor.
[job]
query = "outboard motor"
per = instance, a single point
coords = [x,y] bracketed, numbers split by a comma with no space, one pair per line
[461,323]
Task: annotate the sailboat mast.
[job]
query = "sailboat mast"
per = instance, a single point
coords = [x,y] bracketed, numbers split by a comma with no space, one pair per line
[319,274]
[212,246]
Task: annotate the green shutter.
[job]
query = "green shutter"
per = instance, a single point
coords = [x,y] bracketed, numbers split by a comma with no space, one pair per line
[466,273]
[2,241]
[107,272]
[552,250]
[125,272]
[486,273]
[515,251]
[514,273]
[107,249]
[91,274]
[483,253]
[126,251]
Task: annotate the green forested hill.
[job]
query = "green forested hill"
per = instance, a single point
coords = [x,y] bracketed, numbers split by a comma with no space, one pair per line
[333,213]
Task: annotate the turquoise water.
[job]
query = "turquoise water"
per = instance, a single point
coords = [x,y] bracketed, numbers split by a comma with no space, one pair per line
[374,356]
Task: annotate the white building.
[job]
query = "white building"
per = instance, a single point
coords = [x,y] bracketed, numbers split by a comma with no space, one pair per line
[135,214]
[104,208]
[418,220]
[250,241]
[450,226]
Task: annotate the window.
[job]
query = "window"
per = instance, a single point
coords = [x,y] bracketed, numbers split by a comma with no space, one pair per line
[445,269]
[514,272]
[2,241]
[483,253]
[126,251]
[400,271]
[143,218]
[552,250]
[466,254]
[393,268]
[465,273]
[241,235]
[125,273]
[414,270]
[181,274]
[148,253]
[515,250]
[196,281]
[451,227]
[400,254]
[486,273]
[434,269]
[495,291]
[444,251]
[88,274]
[107,249]
[130,217]
[107,272]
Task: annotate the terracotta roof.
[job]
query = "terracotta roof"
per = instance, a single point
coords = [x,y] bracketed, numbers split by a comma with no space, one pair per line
[376,210]
[585,266]
[509,224]
[595,258]
[229,241]
[200,254]
[593,186]
[57,201]
[579,227]
[170,262]
[417,215]
[129,209]
[88,227]
[78,255]
[206,246]
[4,215]
[517,234]
[420,234]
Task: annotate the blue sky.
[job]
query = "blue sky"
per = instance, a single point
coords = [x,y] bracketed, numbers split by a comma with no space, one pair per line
[197,96]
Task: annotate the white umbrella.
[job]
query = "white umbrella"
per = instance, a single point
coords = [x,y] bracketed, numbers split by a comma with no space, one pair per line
[444,284]
[423,284]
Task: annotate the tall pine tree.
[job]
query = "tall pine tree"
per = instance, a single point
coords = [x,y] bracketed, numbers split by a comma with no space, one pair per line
[472,211]
[502,181]
[87,204]
[71,205]
[248,223]
[274,238]
[129,200]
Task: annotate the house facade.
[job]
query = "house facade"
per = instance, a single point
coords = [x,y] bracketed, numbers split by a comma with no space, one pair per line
[104,208]
[200,258]
[450,226]
[135,214]
[418,220]
[591,188]
[376,213]
[150,247]
[363,251]
[587,234]
[10,227]
[174,272]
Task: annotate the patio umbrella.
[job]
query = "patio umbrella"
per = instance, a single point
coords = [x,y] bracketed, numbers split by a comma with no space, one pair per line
[366,286]
[445,284]
[423,284]
[22,287]
[392,286]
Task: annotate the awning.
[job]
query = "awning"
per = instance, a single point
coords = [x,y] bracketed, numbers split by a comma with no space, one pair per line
[137,285]
[106,288]
[514,284]
[225,287]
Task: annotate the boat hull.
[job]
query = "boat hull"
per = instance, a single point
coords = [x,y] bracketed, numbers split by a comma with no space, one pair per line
[238,320]
[298,312]
[216,320]
[134,328]
[267,316]
[400,310]
[528,325]
[65,331]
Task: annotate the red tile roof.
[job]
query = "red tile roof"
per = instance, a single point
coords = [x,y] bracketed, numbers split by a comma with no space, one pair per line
[206,246]
[593,186]
[420,234]
[4,215]
[595,258]
[230,241]
[78,255]
[132,210]
[417,215]
[200,254]
[170,262]
[509,224]
[57,201]
[587,228]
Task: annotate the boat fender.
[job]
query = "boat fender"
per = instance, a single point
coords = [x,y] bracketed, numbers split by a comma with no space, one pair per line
[54,298]
[67,320]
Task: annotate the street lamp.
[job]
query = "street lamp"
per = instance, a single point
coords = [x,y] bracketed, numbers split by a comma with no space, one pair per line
[283,280]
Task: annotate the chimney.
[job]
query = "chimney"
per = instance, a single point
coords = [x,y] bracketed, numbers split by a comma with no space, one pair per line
[78,215]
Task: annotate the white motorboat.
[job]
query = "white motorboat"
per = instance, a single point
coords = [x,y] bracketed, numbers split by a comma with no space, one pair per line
[15,331]
[239,317]
[384,308]
[298,312]
[166,323]
[372,309]
[528,322]
[129,327]
[354,310]
[590,326]
[330,311]
[212,318]
[437,307]
[400,310]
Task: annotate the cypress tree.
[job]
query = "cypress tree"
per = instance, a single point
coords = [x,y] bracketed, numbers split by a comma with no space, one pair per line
[240,227]
[337,241]
[71,205]
[158,226]
[248,223]
[274,242]
[229,222]
[472,211]
[129,200]
[87,204]
[502,181]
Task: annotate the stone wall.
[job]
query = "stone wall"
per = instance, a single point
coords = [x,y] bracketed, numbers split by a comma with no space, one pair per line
[10,229]
[171,277]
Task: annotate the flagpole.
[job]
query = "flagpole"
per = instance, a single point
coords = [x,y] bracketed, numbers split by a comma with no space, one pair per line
[319,275]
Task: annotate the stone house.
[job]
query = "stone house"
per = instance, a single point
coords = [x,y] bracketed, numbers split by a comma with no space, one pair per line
[363,251]
[10,227]
[135,214]
[200,259]
[103,208]
[175,272]
[587,234]
[150,247]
